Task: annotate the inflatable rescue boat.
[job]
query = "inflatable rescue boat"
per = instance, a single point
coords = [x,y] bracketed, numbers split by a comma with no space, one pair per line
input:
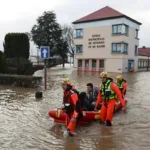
[59,115]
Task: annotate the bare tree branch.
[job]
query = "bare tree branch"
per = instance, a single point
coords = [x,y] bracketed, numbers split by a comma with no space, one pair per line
[68,35]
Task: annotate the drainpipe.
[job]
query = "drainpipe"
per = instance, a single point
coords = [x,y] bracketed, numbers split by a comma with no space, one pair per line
[148,64]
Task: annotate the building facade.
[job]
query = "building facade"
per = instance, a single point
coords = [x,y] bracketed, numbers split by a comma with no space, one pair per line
[106,40]
[144,59]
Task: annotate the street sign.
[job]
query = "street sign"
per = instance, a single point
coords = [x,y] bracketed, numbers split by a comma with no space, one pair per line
[44,52]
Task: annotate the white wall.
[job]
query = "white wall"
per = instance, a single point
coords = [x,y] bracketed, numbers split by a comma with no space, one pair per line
[114,62]
[109,22]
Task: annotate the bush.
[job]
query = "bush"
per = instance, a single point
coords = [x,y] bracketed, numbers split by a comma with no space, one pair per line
[20,66]
[21,81]
[37,67]
[16,45]
[2,62]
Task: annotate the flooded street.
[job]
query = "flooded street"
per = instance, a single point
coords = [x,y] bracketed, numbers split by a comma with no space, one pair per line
[25,125]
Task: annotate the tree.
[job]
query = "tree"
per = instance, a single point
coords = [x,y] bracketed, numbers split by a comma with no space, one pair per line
[2,62]
[68,35]
[16,45]
[62,50]
[47,31]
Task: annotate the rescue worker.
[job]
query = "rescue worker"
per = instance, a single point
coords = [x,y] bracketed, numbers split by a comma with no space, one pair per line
[91,97]
[107,94]
[122,85]
[72,107]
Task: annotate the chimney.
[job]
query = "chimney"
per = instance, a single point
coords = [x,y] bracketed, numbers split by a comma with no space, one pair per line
[143,47]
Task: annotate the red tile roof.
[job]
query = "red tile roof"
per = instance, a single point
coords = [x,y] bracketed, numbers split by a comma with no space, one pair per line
[144,51]
[102,14]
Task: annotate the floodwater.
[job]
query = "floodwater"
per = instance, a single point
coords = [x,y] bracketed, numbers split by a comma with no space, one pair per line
[25,125]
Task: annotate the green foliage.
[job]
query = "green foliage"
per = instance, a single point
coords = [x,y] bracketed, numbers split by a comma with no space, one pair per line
[16,45]
[38,67]
[21,81]
[20,66]
[62,48]
[2,62]
[47,31]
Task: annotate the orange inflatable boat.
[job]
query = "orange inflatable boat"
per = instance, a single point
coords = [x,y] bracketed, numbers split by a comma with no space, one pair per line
[59,115]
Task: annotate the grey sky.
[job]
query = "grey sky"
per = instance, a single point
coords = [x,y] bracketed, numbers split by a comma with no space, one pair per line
[20,16]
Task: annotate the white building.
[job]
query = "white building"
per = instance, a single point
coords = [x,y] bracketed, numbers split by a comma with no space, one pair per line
[106,40]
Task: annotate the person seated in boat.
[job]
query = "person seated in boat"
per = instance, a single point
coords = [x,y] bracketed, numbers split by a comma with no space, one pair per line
[90,98]
[122,85]
[107,95]
[72,107]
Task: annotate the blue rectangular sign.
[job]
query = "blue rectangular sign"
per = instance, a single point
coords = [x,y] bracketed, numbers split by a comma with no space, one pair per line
[44,52]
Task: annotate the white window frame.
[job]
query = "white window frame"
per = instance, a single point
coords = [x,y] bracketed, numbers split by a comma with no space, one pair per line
[79,33]
[120,29]
[120,48]
[81,49]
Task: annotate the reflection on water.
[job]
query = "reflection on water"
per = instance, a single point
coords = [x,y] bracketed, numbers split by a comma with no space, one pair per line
[24,123]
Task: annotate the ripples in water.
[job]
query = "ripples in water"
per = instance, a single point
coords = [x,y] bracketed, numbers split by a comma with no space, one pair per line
[24,121]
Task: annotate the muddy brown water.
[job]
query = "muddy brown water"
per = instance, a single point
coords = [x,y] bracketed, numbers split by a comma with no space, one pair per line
[25,125]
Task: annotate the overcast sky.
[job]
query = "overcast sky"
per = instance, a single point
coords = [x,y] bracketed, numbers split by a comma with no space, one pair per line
[21,15]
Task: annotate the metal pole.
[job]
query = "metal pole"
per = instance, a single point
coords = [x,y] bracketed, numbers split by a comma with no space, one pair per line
[45,74]
[37,55]
[148,64]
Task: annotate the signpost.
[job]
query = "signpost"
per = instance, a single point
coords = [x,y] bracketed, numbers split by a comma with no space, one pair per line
[45,54]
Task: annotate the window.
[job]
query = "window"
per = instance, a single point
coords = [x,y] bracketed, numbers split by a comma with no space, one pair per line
[101,63]
[136,50]
[79,49]
[114,29]
[87,63]
[125,50]
[120,47]
[139,64]
[142,63]
[136,34]
[93,63]
[79,33]
[80,63]
[145,63]
[120,29]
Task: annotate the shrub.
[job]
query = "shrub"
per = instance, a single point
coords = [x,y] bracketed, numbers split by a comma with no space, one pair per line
[19,66]
[16,45]
[2,62]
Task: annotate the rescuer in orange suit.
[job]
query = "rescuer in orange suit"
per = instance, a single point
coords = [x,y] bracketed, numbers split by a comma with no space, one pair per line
[72,107]
[122,85]
[107,94]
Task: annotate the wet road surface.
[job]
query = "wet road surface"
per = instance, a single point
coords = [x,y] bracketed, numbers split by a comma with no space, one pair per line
[25,125]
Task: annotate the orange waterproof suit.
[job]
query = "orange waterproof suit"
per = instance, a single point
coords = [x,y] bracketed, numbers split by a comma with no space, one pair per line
[72,108]
[107,94]
[122,85]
